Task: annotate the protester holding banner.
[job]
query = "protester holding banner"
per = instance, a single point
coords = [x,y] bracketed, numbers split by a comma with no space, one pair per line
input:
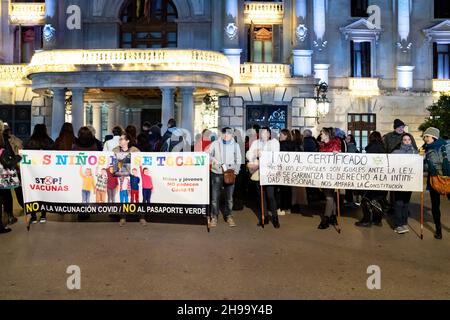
[329,143]
[284,193]
[123,171]
[372,201]
[402,199]
[349,194]
[436,166]
[40,140]
[393,139]
[265,143]
[226,161]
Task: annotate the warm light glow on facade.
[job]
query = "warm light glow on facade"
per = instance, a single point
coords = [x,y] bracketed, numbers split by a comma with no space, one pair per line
[129,60]
[27,14]
[364,87]
[263,12]
[441,86]
[12,75]
[264,73]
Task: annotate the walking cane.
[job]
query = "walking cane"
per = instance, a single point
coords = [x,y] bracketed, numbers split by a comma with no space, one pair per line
[262,205]
[339,210]
[421,214]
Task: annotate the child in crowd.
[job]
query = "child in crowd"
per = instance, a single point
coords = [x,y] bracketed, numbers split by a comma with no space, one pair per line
[147,185]
[88,185]
[101,186]
[134,181]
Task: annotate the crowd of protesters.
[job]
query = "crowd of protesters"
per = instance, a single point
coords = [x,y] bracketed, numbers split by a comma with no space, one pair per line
[231,155]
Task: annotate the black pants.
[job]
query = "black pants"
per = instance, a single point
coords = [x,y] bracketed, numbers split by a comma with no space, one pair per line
[402,200]
[7,201]
[270,203]
[2,227]
[435,207]
[285,195]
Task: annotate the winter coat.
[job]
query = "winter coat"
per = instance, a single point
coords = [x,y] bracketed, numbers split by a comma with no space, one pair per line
[332,146]
[406,149]
[376,147]
[310,144]
[433,158]
[351,148]
[225,153]
[288,146]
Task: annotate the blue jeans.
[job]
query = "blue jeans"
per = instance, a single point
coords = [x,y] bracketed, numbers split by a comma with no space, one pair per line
[216,188]
[123,196]
[146,194]
[85,196]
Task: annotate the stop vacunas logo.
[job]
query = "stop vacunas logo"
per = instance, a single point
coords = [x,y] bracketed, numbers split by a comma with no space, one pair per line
[49,184]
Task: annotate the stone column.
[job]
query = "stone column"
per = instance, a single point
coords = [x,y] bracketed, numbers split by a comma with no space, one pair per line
[112,122]
[405,69]
[321,72]
[302,62]
[77,108]
[58,111]
[231,37]
[302,55]
[167,106]
[97,119]
[119,118]
[136,118]
[50,30]
[187,110]
[320,43]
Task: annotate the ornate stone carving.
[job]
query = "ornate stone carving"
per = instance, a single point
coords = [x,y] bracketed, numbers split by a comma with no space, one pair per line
[301,32]
[49,33]
[231,31]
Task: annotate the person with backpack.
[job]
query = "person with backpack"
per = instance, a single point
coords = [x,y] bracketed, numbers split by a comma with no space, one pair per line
[226,160]
[438,167]
[402,199]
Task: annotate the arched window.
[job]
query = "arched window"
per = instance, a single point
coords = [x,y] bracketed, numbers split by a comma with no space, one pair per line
[149,24]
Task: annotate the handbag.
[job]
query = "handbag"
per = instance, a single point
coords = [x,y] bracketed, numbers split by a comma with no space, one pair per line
[8,159]
[229,176]
[441,184]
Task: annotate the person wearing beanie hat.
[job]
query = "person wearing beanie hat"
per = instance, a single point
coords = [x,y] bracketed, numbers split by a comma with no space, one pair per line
[393,139]
[434,165]
[432,132]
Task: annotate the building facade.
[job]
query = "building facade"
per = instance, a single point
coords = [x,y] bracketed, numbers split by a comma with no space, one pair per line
[214,63]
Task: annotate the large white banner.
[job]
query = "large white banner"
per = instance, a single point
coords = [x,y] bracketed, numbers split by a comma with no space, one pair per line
[388,172]
[127,183]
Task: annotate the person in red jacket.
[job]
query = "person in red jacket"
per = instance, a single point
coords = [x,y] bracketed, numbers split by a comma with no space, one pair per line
[147,185]
[329,143]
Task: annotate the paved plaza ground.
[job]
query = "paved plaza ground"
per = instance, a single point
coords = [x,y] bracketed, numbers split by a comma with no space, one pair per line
[169,261]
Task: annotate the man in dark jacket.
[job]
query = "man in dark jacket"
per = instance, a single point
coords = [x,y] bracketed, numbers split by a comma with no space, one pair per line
[393,139]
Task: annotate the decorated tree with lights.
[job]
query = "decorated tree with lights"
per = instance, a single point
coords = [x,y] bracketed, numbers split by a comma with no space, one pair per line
[439,116]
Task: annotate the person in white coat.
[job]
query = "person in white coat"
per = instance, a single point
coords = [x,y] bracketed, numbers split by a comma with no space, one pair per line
[263,144]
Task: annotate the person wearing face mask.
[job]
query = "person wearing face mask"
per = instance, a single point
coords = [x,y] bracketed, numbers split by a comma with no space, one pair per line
[402,199]
[329,143]
[265,143]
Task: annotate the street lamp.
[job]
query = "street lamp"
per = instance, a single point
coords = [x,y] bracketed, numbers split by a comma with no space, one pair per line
[322,102]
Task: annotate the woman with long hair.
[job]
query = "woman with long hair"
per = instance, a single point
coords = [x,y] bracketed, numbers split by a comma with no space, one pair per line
[329,143]
[85,141]
[131,131]
[66,138]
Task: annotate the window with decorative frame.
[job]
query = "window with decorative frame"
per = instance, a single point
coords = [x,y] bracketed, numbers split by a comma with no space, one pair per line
[149,24]
[361,125]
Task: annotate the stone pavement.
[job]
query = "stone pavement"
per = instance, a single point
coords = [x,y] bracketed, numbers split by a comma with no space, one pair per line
[168,261]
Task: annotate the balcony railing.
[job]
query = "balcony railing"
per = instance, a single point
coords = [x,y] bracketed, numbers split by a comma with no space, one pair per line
[12,75]
[129,60]
[263,12]
[441,86]
[264,73]
[364,86]
[27,14]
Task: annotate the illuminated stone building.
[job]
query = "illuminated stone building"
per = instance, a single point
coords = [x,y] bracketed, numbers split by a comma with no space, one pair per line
[213,63]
